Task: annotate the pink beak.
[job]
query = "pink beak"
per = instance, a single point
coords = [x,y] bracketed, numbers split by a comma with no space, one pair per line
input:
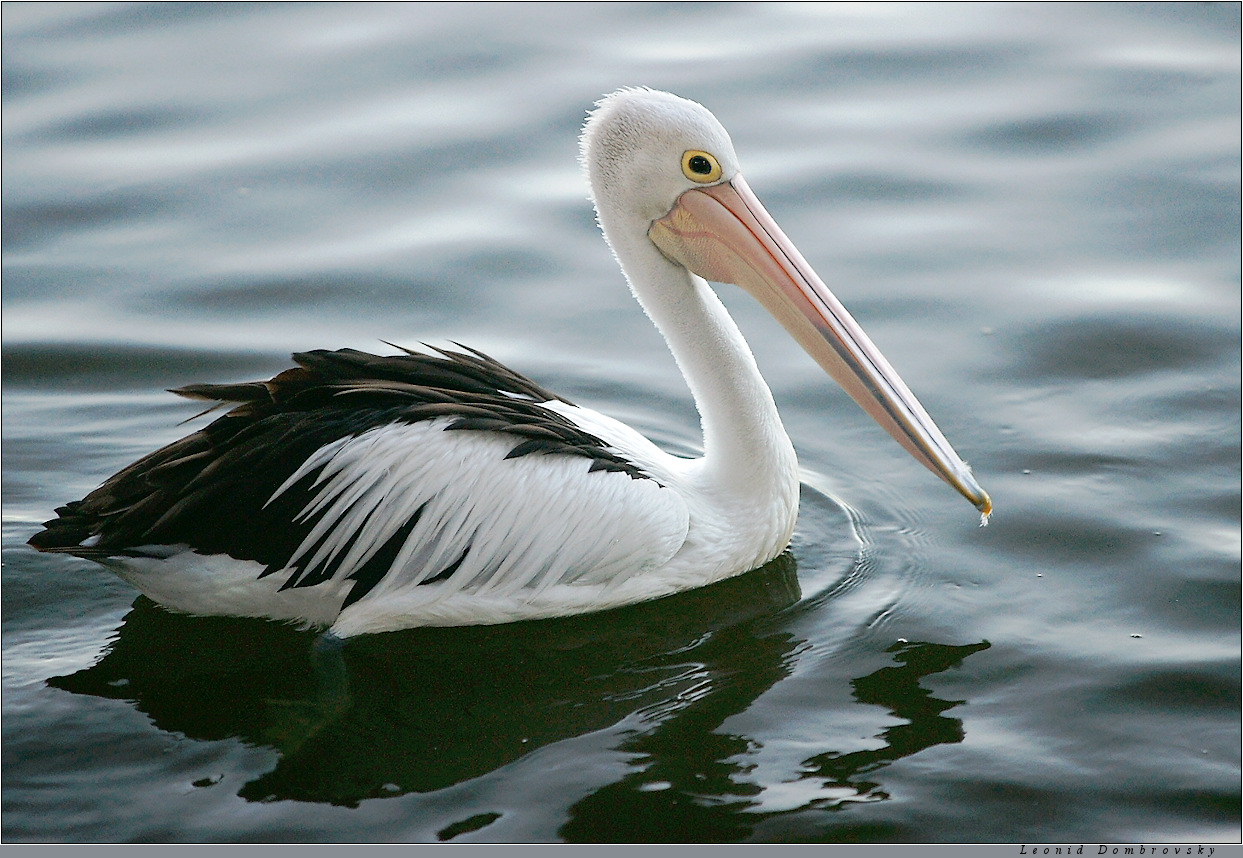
[723,234]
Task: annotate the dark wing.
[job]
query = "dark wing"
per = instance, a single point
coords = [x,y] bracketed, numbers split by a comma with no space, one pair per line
[213,490]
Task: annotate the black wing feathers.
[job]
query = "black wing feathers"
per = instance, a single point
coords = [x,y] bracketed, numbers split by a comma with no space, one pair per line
[211,489]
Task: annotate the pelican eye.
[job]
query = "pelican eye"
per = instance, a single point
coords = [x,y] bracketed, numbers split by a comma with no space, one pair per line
[700,166]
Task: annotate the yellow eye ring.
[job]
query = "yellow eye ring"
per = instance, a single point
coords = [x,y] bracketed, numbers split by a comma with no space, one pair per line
[700,166]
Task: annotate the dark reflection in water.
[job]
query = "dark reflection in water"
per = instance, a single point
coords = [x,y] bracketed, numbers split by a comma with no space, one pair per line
[705,794]
[898,690]
[421,710]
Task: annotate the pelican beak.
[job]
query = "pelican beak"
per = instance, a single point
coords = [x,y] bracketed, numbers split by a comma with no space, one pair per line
[722,233]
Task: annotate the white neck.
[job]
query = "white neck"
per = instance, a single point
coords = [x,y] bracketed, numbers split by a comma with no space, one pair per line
[748,458]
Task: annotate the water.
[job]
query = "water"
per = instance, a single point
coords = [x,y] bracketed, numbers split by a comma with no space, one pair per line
[1032,209]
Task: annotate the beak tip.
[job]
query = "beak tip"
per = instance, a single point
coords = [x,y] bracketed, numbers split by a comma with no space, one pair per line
[985,506]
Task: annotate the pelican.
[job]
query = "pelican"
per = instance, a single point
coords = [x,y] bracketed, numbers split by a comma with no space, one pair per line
[363,493]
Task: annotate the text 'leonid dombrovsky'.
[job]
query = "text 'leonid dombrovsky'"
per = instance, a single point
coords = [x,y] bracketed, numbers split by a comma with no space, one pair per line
[1118,850]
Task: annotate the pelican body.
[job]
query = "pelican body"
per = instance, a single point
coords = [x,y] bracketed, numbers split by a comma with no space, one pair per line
[367,493]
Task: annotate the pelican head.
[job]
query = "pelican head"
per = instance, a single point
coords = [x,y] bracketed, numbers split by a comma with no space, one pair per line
[668,190]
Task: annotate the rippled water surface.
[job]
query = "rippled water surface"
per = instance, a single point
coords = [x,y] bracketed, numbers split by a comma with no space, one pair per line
[1033,209]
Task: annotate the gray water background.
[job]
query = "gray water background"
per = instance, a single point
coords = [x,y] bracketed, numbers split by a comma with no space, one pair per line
[1033,210]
